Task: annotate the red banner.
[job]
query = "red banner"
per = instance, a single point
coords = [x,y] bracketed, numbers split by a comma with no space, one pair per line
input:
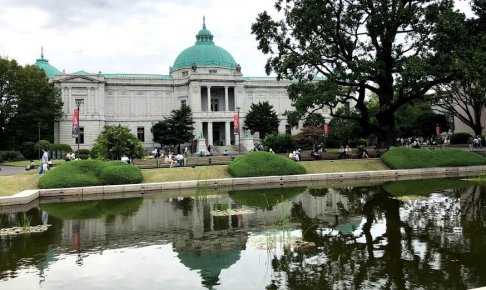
[75,129]
[437,130]
[326,129]
[236,121]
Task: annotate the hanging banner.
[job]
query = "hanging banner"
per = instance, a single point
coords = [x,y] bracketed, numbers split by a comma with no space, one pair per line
[75,129]
[326,129]
[437,130]
[236,121]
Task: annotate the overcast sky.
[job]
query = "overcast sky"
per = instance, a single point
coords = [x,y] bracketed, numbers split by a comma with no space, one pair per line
[128,36]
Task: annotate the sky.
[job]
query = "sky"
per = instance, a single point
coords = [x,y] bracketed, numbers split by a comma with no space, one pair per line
[129,36]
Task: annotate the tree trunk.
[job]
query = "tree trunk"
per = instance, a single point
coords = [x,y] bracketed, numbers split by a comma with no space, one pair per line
[386,129]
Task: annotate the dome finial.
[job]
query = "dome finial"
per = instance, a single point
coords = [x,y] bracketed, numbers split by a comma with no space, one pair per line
[42,52]
[204,22]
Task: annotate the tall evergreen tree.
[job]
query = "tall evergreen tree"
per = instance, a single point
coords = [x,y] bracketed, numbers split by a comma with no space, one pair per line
[262,118]
[340,51]
[175,129]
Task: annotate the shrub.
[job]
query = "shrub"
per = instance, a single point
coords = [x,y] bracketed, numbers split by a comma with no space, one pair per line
[28,150]
[42,144]
[84,154]
[11,156]
[264,164]
[61,147]
[90,173]
[121,174]
[406,158]
[460,138]
[280,143]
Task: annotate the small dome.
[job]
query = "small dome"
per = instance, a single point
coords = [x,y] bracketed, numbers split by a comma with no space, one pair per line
[204,53]
[43,63]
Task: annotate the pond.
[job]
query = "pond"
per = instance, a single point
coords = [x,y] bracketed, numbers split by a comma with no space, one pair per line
[404,235]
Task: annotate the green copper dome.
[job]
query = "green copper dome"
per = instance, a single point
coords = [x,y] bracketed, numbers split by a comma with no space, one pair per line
[204,53]
[43,63]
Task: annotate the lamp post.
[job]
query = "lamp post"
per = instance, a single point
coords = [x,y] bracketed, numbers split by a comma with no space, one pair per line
[239,131]
[38,138]
[78,103]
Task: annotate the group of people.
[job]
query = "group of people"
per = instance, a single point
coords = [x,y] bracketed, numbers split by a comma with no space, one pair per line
[70,156]
[347,152]
[476,142]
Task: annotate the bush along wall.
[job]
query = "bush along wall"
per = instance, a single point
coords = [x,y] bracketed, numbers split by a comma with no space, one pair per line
[409,158]
[90,173]
[264,164]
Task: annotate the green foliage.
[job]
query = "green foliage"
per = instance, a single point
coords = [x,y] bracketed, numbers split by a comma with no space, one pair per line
[423,186]
[308,137]
[28,103]
[11,156]
[84,154]
[176,129]
[280,143]
[60,147]
[42,144]
[120,174]
[115,141]
[342,51]
[264,164]
[29,151]
[80,210]
[461,138]
[90,173]
[407,158]
[344,132]
[265,198]
[418,119]
[262,118]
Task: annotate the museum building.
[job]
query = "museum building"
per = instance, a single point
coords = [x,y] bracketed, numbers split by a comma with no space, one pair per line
[204,76]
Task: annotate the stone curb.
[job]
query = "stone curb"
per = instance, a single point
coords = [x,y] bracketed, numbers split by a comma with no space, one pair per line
[27,196]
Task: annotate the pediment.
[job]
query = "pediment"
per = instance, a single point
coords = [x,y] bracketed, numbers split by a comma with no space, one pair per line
[79,79]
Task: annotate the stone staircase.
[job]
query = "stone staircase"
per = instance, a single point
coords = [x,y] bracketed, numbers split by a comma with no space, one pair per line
[232,150]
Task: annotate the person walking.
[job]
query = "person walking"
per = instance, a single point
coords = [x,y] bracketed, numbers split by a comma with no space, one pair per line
[44,161]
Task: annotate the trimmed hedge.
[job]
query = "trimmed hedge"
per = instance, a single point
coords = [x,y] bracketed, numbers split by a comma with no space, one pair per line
[408,158]
[262,163]
[90,173]
[461,138]
[423,186]
[60,147]
[11,156]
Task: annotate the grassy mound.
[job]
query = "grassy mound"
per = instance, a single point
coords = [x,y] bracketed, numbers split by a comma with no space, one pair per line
[424,186]
[407,158]
[264,164]
[90,173]
[265,198]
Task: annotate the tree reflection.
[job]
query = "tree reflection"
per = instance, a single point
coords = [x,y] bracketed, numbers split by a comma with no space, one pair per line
[436,243]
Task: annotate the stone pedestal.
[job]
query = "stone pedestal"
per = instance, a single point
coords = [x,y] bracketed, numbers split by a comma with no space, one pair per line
[247,143]
[201,145]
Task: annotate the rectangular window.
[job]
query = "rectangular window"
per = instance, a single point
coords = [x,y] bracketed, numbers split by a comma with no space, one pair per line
[185,73]
[183,103]
[213,71]
[141,134]
[81,136]
[214,105]
[81,105]
[288,129]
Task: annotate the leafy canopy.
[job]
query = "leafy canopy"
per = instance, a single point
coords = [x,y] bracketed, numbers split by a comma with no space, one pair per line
[28,103]
[115,141]
[340,51]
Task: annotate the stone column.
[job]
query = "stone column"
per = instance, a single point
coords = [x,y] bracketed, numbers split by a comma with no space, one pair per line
[226,104]
[210,133]
[227,133]
[209,99]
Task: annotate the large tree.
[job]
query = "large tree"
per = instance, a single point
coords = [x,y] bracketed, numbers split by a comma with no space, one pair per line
[342,50]
[465,99]
[26,100]
[175,129]
[262,118]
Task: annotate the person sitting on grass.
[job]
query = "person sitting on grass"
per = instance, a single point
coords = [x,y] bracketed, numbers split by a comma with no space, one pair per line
[31,165]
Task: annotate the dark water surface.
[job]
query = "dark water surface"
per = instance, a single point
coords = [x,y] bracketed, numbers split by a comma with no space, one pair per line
[376,237]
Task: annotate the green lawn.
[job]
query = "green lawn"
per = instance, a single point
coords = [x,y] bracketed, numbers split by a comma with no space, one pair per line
[29,179]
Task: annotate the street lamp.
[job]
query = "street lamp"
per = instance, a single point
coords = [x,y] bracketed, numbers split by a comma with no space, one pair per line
[239,131]
[78,103]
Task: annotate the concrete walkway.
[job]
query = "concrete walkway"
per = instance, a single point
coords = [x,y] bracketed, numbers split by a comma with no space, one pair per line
[10,170]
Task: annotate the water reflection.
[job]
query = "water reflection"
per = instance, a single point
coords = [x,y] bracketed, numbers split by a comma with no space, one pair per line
[292,238]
